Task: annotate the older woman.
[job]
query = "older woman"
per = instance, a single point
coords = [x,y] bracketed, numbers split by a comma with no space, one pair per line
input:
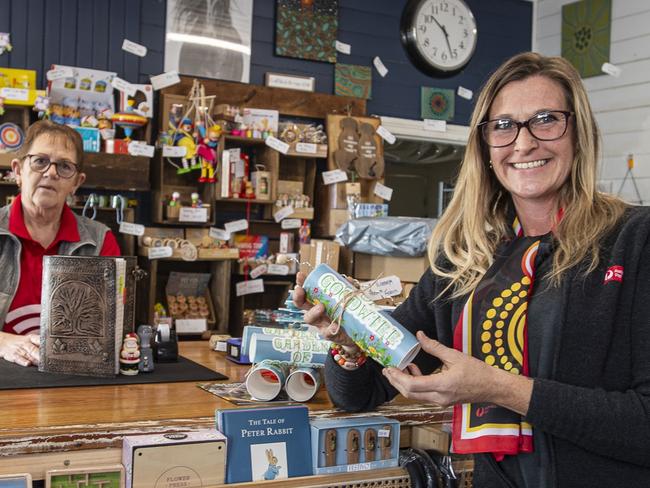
[537,298]
[39,223]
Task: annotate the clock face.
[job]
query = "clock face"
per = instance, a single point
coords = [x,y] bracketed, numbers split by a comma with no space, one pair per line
[439,35]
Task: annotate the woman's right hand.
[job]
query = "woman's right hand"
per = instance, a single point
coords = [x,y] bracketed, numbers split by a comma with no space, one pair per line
[317,316]
[20,349]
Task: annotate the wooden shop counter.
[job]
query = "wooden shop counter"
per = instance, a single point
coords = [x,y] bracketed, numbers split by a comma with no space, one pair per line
[56,428]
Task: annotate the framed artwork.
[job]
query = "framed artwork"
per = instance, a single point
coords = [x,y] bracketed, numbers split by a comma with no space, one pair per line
[437,103]
[209,38]
[104,476]
[16,480]
[307,29]
[353,80]
[586,32]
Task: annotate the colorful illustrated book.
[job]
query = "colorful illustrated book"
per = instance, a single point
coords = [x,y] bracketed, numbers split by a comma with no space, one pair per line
[266,443]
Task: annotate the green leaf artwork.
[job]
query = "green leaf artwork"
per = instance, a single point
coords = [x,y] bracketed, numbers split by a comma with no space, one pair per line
[307,29]
[586,30]
[437,103]
[352,80]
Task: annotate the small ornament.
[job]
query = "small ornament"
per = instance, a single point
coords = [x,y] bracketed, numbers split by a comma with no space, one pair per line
[5,43]
[145,333]
[130,355]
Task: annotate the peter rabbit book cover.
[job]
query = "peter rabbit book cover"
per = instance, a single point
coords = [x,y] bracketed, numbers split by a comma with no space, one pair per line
[266,443]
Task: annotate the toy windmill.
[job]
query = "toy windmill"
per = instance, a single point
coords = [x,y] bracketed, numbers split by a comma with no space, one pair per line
[630,166]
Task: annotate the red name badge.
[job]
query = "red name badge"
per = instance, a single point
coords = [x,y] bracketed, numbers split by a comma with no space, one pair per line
[614,273]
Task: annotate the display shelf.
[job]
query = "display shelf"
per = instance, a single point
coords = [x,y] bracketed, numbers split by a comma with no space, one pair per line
[116,172]
[244,200]
[203,254]
[8,183]
[302,213]
[321,152]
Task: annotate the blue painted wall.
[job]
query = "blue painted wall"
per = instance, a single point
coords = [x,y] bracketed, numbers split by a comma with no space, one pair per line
[89,33]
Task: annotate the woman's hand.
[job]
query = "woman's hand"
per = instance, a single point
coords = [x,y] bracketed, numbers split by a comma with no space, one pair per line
[20,349]
[315,315]
[462,379]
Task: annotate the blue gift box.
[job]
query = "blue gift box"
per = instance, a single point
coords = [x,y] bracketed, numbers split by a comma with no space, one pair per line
[90,137]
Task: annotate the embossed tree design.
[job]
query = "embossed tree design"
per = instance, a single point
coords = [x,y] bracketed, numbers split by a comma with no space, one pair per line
[76,311]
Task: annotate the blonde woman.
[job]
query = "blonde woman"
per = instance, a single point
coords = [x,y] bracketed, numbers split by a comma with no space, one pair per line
[534,318]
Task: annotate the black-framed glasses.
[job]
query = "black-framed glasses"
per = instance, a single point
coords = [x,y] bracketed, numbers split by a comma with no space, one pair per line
[545,126]
[40,164]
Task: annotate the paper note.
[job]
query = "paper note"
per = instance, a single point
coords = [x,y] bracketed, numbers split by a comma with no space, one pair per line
[383,191]
[138,148]
[464,93]
[193,214]
[18,94]
[123,86]
[283,213]
[236,226]
[343,48]
[435,125]
[290,224]
[380,67]
[160,252]
[174,151]
[385,287]
[386,135]
[611,70]
[277,144]
[58,73]
[250,286]
[383,433]
[306,147]
[132,229]
[164,80]
[258,271]
[278,269]
[219,234]
[334,176]
[134,48]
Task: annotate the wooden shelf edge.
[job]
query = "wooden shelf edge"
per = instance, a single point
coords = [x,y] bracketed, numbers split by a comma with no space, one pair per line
[228,254]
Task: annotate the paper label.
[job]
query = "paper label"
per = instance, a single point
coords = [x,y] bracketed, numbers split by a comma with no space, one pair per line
[380,67]
[334,176]
[138,148]
[123,86]
[185,326]
[307,148]
[258,271]
[107,134]
[611,70]
[164,80]
[278,269]
[58,73]
[236,225]
[465,92]
[219,234]
[383,433]
[342,47]
[248,287]
[174,151]
[160,252]
[20,94]
[283,213]
[132,229]
[383,191]
[277,144]
[134,48]
[193,214]
[435,125]
[221,346]
[386,135]
[385,287]
[290,224]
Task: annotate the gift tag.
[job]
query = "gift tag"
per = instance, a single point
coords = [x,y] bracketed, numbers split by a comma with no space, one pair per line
[258,271]
[306,147]
[465,93]
[277,144]
[138,148]
[219,234]
[611,70]
[388,286]
[131,229]
[290,224]
[380,67]
[283,213]
[123,86]
[435,125]
[164,80]
[17,94]
[236,225]
[58,73]
[160,252]
[250,286]
[383,191]
[334,176]
[386,135]
[193,214]
[174,151]
[278,269]
[134,48]
[343,48]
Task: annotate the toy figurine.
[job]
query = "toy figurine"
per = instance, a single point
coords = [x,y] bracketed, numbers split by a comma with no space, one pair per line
[208,154]
[145,333]
[248,188]
[184,137]
[195,200]
[41,105]
[176,196]
[129,120]
[130,355]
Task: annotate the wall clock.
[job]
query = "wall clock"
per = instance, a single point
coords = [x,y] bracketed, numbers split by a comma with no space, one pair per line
[439,35]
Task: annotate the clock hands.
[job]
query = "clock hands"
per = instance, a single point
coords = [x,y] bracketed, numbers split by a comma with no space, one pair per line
[444,31]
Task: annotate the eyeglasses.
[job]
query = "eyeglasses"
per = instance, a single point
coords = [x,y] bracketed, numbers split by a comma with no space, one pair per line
[545,126]
[40,164]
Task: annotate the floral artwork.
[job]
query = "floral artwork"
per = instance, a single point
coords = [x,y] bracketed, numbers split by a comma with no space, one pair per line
[437,103]
[586,30]
[307,29]
[352,80]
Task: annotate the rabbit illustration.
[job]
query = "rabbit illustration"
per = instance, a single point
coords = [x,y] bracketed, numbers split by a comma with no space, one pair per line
[273,470]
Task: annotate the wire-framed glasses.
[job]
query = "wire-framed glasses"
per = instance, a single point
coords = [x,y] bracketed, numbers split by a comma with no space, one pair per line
[545,126]
[40,164]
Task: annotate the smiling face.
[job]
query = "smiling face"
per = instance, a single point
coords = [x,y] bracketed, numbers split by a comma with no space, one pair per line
[530,169]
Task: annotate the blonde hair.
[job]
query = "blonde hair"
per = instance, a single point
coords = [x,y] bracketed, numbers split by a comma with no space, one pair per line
[463,242]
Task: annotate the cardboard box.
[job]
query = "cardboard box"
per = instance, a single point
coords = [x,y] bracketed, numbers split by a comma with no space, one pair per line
[319,251]
[369,266]
[165,460]
[430,437]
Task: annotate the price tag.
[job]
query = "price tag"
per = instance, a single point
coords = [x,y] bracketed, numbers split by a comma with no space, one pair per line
[334,176]
[58,73]
[306,147]
[236,226]
[219,234]
[132,229]
[123,86]
[383,191]
[258,271]
[290,224]
[380,67]
[278,269]
[465,92]
[611,70]
[164,80]
[277,144]
[250,286]
[343,48]
[18,94]
[240,169]
[174,151]
[383,433]
[193,214]
[435,125]
[160,252]
[283,213]
[386,135]
[107,134]
[138,148]
[389,286]
[134,48]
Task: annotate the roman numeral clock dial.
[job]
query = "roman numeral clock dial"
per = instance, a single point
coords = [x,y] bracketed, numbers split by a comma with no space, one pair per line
[439,35]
